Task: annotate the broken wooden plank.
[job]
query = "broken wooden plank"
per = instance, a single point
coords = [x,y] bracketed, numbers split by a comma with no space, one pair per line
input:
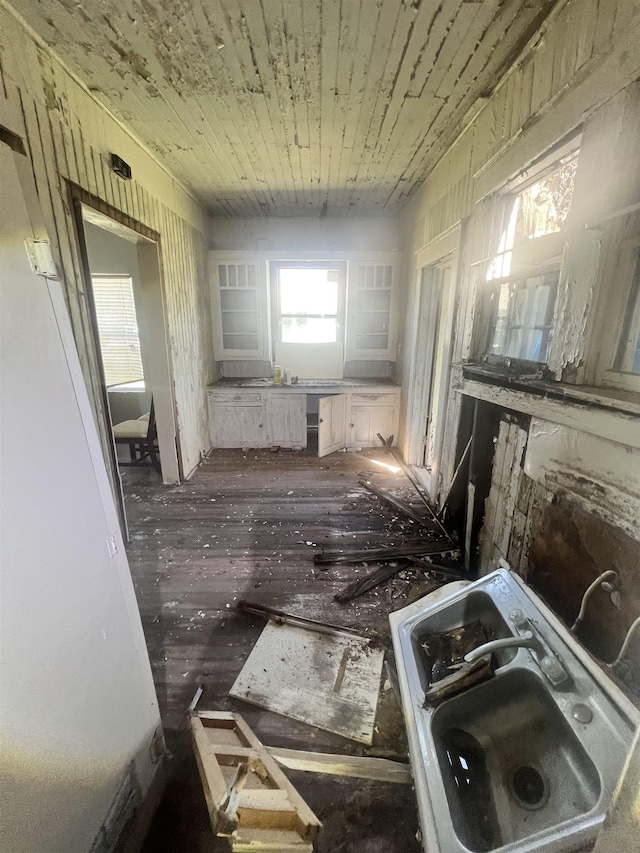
[463,458]
[397,504]
[213,782]
[258,808]
[357,767]
[417,485]
[283,618]
[394,552]
[449,572]
[373,579]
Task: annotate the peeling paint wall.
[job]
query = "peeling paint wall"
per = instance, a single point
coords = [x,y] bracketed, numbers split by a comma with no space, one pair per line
[69,136]
[575,487]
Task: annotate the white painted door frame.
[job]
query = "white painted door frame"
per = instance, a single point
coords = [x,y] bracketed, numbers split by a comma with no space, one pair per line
[430,365]
[153,338]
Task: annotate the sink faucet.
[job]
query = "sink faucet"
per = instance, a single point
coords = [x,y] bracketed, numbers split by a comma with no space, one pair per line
[526,638]
[526,642]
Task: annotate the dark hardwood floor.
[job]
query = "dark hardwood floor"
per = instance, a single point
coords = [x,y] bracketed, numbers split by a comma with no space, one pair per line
[246,526]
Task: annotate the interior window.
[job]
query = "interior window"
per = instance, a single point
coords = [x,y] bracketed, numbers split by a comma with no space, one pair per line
[522,276]
[310,300]
[522,317]
[117,328]
[628,356]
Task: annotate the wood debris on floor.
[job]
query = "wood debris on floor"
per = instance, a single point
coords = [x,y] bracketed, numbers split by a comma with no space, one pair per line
[247,526]
[249,798]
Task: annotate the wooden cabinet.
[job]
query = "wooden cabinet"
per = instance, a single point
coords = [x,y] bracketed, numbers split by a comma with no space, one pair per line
[276,416]
[370,413]
[239,306]
[286,417]
[332,435]
[236,419]
[372,314]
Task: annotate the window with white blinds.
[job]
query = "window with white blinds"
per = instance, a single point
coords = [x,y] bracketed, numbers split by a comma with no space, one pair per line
[117,328]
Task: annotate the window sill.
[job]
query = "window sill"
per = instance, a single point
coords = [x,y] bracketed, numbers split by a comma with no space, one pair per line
[613,399]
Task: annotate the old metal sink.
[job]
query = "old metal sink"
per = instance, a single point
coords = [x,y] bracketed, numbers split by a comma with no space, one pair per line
[526,760]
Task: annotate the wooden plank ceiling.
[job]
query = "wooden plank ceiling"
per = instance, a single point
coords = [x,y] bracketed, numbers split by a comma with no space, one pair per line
[291,107]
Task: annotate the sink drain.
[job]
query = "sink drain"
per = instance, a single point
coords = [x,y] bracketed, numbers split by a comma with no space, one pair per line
[529,787]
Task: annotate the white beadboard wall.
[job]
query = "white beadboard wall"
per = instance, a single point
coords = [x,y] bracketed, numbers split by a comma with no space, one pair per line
[307,234]
[585,52]
[69,136]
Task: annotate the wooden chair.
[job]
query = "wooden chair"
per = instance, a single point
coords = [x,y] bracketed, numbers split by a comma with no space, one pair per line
[141,435]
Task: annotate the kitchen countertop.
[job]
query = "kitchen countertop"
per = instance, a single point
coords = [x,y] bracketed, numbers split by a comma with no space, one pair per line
[304,384]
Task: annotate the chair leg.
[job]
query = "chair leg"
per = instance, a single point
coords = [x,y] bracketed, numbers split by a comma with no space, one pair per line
[132,451]
[154,457]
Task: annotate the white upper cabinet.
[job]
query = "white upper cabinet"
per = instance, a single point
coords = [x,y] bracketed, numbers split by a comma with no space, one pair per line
[372,313]
[239,306]
[240,303]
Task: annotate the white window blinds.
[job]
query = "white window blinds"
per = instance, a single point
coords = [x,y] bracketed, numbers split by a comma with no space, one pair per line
[117,328]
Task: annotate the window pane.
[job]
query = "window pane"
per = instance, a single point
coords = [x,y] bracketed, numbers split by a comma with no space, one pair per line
[308,330]
[117,328]
[544,206]
[522,318]
[308,291]
[628,359]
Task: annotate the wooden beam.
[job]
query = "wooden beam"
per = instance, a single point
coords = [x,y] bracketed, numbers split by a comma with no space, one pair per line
[355,766]
[397,504]
[371,555]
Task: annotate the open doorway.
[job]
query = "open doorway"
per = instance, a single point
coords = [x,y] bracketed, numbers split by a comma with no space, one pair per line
[122,270]
[432,343]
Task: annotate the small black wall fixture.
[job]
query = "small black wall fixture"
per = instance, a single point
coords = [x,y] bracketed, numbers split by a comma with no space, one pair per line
[120,167]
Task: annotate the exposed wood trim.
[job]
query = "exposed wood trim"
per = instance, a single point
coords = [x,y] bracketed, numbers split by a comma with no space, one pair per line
[615,426]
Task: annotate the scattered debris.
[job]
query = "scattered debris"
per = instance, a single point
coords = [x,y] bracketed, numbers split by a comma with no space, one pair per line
[465,676]
[386,442]
[378,576]
[443,656]
[194,702]
[421,492]
[393,552]
[452,573]
[249,798]
[329,680]
[397,504]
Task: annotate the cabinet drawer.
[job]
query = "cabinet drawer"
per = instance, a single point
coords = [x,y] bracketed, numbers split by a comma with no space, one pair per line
[374,398]
[240,397]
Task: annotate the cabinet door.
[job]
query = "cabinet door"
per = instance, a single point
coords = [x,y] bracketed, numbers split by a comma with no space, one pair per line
[372,314]
[238,303]
[237,426]
[365,422]
[331,423]
[287,420]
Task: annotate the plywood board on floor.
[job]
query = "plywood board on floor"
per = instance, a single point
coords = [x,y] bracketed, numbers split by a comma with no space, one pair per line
[328,681]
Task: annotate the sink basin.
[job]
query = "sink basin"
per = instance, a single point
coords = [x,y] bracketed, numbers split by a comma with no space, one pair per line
[518,762]
[510,763]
